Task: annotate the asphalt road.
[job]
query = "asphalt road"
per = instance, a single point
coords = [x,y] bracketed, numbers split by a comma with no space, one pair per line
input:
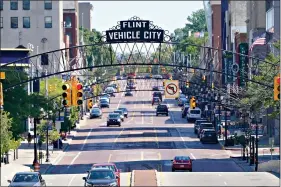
[144,141]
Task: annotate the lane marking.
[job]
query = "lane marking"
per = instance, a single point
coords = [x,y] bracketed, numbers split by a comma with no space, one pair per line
[117,137]
[109,158]
[159,156]
[142,155]
[193,157]
[225,183]
[118,104]
[73,160]
[157,142]
[85,141]
[182,138]
[72,178]
[131,118]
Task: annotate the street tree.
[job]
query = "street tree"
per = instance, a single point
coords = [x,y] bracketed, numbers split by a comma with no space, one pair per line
[5,133]
[196,22]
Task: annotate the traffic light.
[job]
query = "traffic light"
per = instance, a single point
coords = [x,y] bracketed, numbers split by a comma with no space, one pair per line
[192,102]
[90,103]
[187,84]
[79,94]
[276,88]
[66,94]
[1,95]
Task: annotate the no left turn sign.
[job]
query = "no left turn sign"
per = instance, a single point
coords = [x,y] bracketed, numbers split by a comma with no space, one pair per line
[171,88]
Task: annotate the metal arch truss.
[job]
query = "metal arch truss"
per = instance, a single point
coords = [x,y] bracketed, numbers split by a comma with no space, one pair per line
[101,54]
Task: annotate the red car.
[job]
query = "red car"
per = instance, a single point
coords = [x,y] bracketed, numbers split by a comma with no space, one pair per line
[182,163]
[111,166]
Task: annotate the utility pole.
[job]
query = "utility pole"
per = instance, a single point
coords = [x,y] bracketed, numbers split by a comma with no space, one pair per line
[257,145]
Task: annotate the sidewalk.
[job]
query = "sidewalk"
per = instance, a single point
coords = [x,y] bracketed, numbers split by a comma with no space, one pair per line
[26,157]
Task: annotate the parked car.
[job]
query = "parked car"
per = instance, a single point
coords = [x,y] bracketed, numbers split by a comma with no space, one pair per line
[121,113]
[209,135]
[162,109]
[182,101]
[182,163]
[95,113]
[204,125]
[197,124]
[125,111]
[101,177]
[113,119]
[111,166]
[27,179]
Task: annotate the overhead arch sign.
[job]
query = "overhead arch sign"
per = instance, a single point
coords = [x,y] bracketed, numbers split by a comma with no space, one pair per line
[134,31]
[171,88]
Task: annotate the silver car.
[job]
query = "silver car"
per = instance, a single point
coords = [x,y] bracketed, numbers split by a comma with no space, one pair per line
[27,179]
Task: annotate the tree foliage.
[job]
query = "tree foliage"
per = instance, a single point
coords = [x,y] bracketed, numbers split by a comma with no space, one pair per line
[258,96]
[196,22]
[5,134]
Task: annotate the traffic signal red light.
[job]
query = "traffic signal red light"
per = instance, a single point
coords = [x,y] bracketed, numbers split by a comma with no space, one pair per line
[79,95]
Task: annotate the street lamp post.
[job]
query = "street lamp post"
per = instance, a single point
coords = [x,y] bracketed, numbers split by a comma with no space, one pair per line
[225,128]
[35,161]
[47,148]
[257,148]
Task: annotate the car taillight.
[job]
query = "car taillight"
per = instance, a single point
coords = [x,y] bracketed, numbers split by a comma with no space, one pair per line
[174,162]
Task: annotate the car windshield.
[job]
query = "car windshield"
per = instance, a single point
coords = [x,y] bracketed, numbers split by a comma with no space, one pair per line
[111,167]
[119,112]
[95,175]
[26,178]
[123,109]
[113,116]
[103,101]
[182,158]
[162,107]
[195,111]
[205,125]
[210,132]
[95,111]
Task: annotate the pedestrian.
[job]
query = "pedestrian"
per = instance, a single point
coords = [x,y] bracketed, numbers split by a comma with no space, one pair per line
[29,139]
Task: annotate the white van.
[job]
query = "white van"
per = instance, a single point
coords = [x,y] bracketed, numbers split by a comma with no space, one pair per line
[193,114]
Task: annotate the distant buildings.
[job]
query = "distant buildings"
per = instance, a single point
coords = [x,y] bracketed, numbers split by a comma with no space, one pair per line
[85,15]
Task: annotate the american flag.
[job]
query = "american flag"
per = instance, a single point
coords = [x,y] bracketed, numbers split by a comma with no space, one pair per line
[260,41]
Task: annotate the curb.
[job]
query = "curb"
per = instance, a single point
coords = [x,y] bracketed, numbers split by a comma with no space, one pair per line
[133,178]
[222,146]
[243,168]
[156,176]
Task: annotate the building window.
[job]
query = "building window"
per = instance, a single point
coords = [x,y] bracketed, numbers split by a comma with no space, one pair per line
[26,22]
[70,38]
[14,4]
[1,4]
[270,19]
[68,22]
[14,22]
[48,5]
[26,4]
[1,22]
[48,22]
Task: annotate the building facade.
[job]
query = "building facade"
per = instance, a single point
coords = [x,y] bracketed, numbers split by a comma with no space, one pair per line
[70,19]
[85,15]
[37,22]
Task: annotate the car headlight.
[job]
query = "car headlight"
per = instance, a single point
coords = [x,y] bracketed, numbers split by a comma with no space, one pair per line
[88,184]
[118,120]
[113,184]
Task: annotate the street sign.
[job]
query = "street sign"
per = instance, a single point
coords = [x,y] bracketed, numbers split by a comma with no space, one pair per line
[171,88]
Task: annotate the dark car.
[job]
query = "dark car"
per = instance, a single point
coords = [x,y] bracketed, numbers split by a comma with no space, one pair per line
[114,119]
[162,109]
[197,124]
[111,166]
[182,163]
[128,93]
[155,88]
[131,87]
[27,179]
[104,103]
[209,135]
[155,100]
[157,94]
[184,112]
[125,111]
[204,125]
[101,177]
[95,113]
[147,77]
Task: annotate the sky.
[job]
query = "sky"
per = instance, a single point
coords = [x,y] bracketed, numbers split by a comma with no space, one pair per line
[169,15]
